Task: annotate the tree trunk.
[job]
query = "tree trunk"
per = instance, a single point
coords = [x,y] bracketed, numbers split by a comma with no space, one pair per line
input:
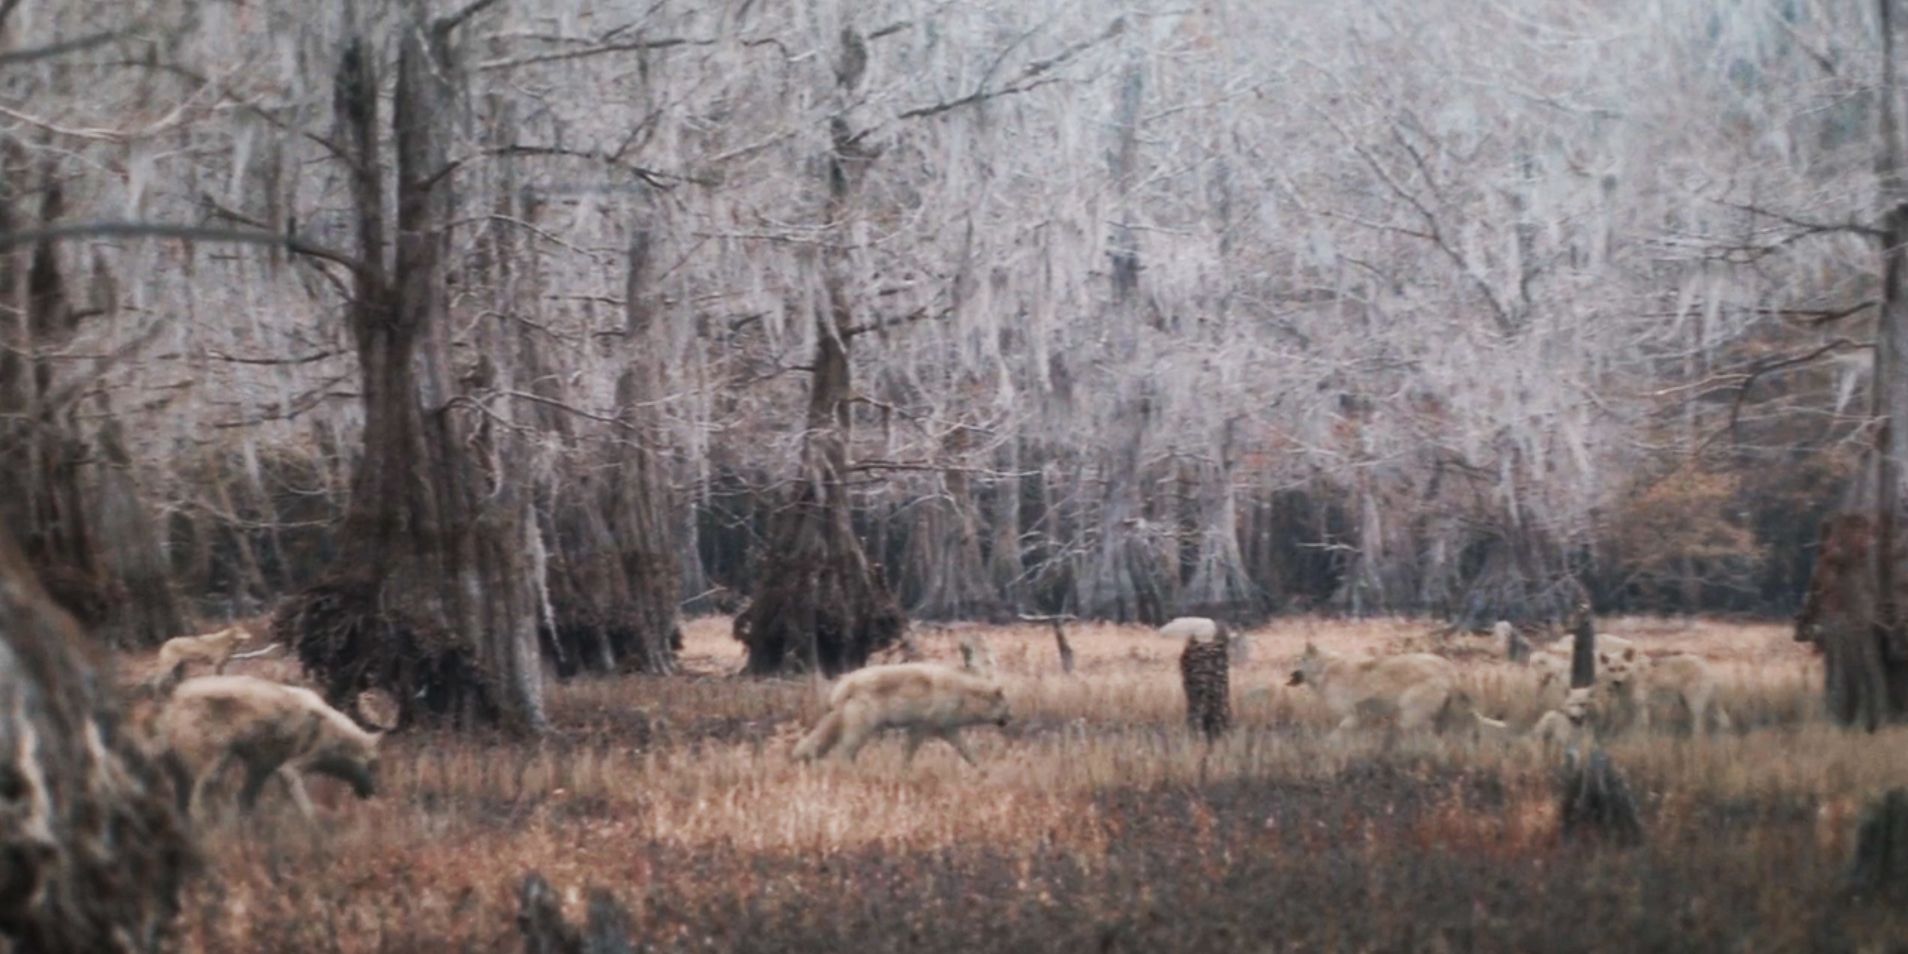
[131,553]
[1841,614]
[640,492]
[1854,592]
[1220,587]
[118,583]
[92,852]
[435,596]
[613,583]
[1004,564]
[1127,578]
[946,543]
[819,605]
[1881,847]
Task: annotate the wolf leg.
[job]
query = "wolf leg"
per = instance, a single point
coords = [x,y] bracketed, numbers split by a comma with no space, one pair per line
[195,803]
[1720,717]
[953,738]
[1423,705]
[295,790]
[822,738]
[855,730]
[255,778]
[915,738]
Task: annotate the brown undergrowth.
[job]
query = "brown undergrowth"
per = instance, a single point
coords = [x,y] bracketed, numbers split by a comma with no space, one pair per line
[1095,823]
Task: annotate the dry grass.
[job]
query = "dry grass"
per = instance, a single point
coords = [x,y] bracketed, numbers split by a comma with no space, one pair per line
[1096,821]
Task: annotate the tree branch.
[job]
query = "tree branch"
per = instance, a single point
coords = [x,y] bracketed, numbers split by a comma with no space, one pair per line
[914,316]
[651,177]
[1027,80]
[17,57]
[190,233]
[445,24]
[1768,366]
[1807,226]
[624,47]
[302,359]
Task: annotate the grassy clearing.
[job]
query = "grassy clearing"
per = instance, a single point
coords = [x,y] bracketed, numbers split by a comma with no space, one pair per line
[1096,822]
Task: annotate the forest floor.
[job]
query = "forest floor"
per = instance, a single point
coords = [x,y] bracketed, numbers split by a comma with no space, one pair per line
[1095,822]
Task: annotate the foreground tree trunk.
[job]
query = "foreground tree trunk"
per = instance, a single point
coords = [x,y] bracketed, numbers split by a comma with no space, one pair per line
[1862,685]
[92,853]
[435,594]
[1853,607]
[819,605]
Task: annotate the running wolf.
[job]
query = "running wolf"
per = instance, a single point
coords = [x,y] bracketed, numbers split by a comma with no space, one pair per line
[923,698]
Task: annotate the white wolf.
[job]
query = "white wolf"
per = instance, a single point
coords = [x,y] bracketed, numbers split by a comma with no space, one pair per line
[923,698]
[271,729]
[214,648]
[1553,665]
[1416,689]
[1567,726]
[1683,681]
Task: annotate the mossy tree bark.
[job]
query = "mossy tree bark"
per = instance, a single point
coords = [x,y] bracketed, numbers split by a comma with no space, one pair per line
[819,604]
[73,504]
[92,850]
[434,596]
[1853,609]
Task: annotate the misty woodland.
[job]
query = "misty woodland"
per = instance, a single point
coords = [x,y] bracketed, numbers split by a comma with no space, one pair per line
[613,475]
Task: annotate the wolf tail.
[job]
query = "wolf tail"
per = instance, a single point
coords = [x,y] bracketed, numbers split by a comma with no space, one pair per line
[1461,711]
[825,735]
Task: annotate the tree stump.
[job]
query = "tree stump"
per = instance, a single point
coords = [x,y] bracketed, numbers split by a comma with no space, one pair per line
[1881,846]
[1597,804]
[545,931]
[1205,673]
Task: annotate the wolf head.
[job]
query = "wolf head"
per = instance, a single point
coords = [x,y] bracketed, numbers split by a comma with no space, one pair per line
[1311,665]
[991,706]
[231,636]
[1621,668]
[352,759]
[1576,705]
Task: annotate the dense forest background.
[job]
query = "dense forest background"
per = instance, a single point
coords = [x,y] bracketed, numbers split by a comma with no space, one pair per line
[1122,310]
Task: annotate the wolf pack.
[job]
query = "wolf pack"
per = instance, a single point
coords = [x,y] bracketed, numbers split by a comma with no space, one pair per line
[202,728]
[206,727]
[1420,690]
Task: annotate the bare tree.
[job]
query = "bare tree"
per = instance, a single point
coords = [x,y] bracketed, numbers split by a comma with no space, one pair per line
[819,604]
[434,596]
